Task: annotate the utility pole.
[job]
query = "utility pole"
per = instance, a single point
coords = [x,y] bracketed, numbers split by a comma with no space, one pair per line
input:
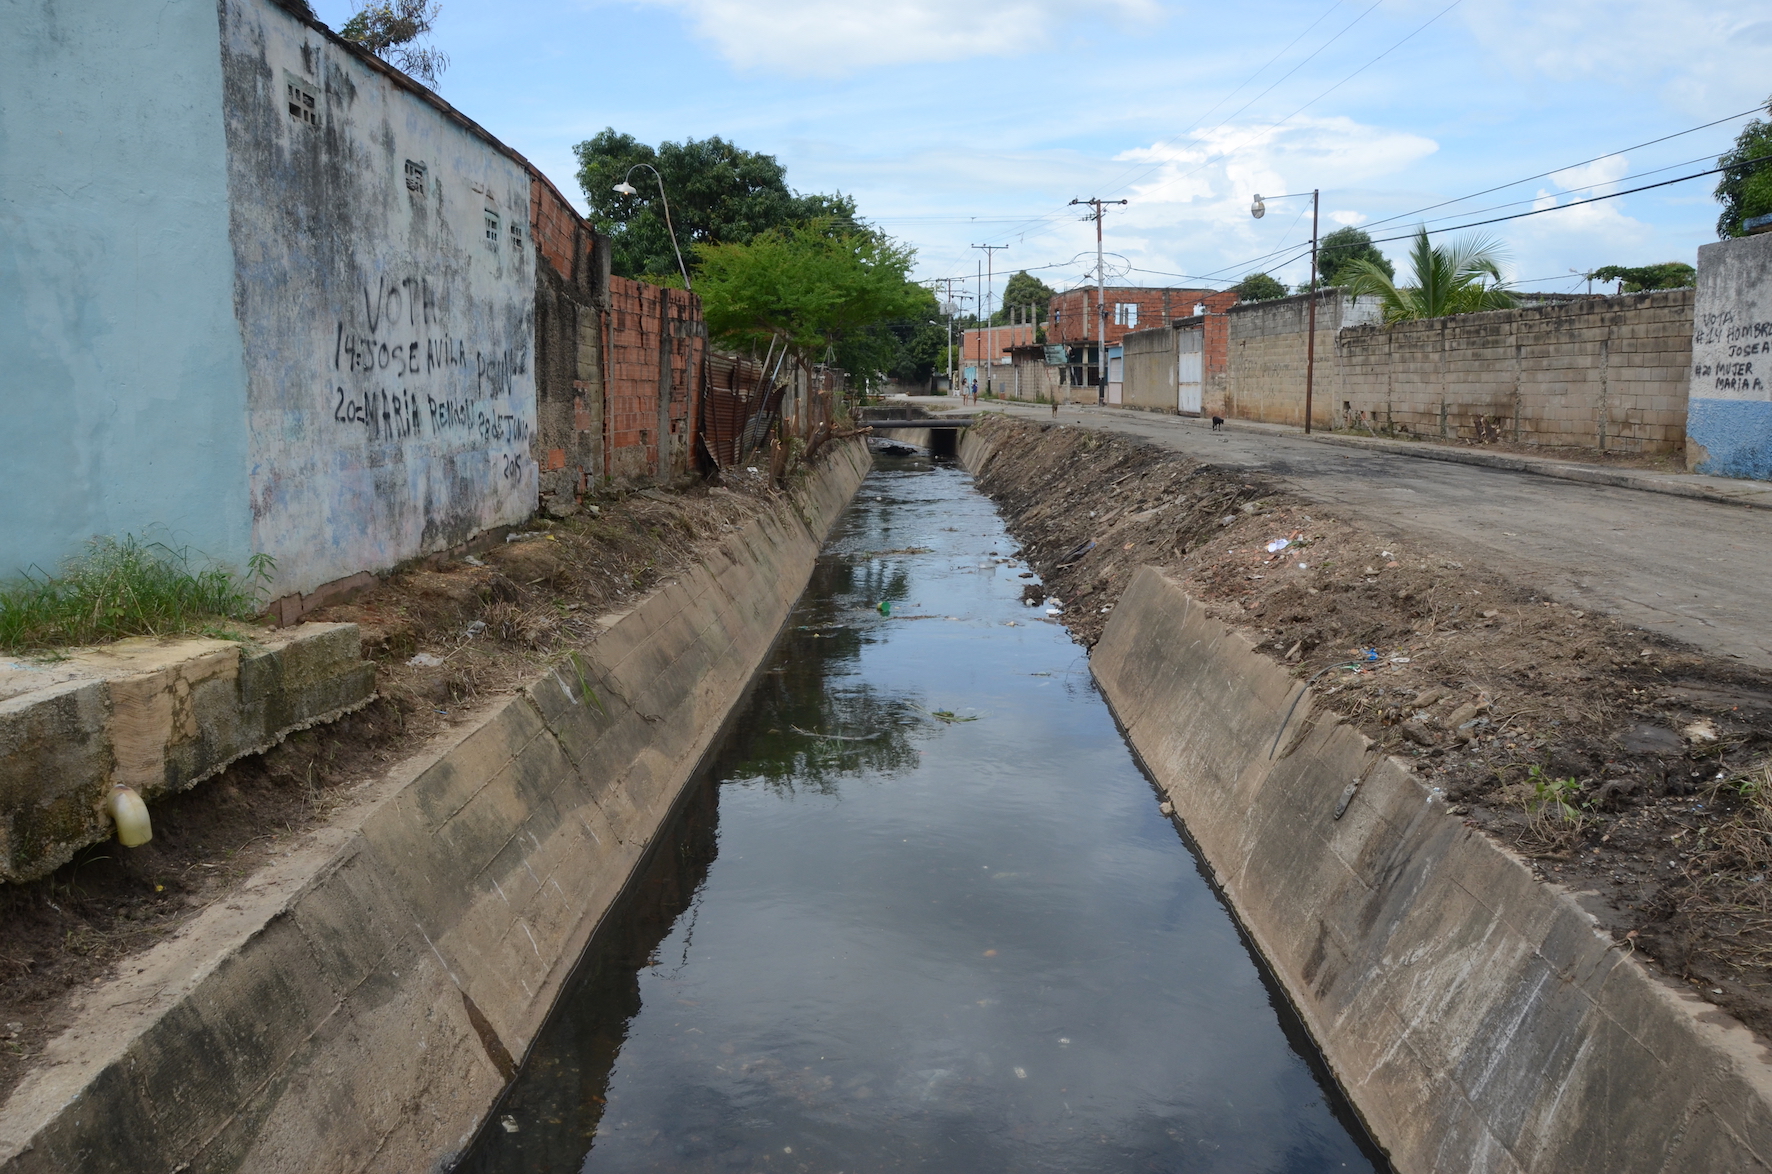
[990,255]
[949,307]
[1258,209]
[1100,303]
[1310,343]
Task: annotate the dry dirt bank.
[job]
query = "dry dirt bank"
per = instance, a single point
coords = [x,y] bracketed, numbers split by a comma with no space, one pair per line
[1634,771]
[488,623]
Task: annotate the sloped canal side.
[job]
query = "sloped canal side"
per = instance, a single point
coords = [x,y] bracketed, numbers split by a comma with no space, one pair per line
[921,911]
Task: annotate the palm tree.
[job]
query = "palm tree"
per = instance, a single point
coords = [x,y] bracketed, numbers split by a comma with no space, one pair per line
[1451,279]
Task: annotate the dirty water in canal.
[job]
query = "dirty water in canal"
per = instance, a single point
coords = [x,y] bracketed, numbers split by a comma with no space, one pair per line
[920,912]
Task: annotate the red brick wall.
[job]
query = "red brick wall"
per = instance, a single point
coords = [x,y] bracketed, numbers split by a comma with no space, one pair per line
[1073,312]
[607,396]
[555,226]
[999,339]
[631,349]
[1215,345]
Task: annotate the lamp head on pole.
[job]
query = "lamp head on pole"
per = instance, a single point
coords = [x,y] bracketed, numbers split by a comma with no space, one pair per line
[1258,209]
[625,188]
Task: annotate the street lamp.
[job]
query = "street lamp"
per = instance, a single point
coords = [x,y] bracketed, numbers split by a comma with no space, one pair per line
[1258,209]
[628,189]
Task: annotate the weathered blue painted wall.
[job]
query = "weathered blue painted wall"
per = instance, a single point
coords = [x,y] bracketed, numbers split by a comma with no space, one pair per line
[1729,410]
[120,358]
[386,292]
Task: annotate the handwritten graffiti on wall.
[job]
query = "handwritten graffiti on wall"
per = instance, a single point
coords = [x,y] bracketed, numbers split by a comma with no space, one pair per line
[1730,342]
[397,343]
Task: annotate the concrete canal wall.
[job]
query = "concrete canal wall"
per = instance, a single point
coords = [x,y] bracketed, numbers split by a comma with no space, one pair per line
[362,1002]
[1479,1020]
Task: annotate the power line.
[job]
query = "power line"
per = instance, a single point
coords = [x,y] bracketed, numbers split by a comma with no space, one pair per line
[1570,166]
[1578,203]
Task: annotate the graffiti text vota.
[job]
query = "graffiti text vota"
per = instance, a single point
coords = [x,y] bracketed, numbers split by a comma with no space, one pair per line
[400,340]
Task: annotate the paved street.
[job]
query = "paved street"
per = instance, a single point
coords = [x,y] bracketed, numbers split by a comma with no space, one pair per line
[1696,570]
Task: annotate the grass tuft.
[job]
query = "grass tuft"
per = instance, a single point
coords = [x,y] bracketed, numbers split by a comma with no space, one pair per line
[125,587]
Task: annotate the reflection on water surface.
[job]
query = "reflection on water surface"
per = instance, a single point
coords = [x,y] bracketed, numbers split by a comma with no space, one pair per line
[921,913]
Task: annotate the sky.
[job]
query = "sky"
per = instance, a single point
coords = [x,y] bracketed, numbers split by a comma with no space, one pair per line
[962,125]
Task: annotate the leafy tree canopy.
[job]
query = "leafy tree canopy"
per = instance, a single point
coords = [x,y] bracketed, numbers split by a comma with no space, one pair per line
[391,30]
[719,193]
[1636,279]
[817,287]
[1337,252]
[1259,287]
[1745,190]
[1022,291]
[1460,277]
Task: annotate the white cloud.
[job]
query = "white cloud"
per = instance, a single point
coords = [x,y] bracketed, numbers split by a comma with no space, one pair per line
[824,38]
[1709,56]
[1190,213]
[1602,175]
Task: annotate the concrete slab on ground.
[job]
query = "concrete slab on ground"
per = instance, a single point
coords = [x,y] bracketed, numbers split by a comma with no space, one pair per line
[154,714]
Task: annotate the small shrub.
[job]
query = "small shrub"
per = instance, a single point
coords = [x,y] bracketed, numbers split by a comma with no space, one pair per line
[126,587]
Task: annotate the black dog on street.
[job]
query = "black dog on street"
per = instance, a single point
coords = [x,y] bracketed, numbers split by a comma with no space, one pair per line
[1218,423]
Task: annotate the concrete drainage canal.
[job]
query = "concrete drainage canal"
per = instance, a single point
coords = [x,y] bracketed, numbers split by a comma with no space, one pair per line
[921,911]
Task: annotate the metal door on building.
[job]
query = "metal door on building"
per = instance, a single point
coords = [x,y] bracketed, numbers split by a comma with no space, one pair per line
[1188,374]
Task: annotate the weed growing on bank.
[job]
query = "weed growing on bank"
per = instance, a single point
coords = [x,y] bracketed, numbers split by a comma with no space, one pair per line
[126,587]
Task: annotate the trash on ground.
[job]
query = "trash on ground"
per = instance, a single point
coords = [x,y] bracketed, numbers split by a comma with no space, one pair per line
[1703,730]
[475,628]
[1278,544]
[426,660]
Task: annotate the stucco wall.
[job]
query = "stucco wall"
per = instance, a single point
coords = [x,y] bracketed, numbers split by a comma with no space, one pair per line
[1729,421]
[1151,369]
[388,311]
[120,359]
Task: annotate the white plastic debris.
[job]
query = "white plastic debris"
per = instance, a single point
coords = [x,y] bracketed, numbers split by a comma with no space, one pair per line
[1278,544]
[426,660]
[475,628]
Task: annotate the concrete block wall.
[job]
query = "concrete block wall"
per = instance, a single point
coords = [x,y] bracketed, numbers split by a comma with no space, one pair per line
[1265,359]
[157,715]
[1605,373]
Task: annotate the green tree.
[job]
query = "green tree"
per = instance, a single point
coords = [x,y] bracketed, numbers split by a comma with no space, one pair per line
[1022,291]
[816,288]
[1337,253]
[1636,279]
[719,193]
[391,30]
[1460,277]
[1746,188]
[1259,287]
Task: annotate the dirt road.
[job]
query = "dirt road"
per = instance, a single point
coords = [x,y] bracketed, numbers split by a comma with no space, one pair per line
[1695,570]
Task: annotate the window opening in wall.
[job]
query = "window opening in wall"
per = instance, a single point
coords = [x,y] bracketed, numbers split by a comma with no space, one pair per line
[516,235]
[304,105]
[1125,313]
[415,177]
[492,230]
